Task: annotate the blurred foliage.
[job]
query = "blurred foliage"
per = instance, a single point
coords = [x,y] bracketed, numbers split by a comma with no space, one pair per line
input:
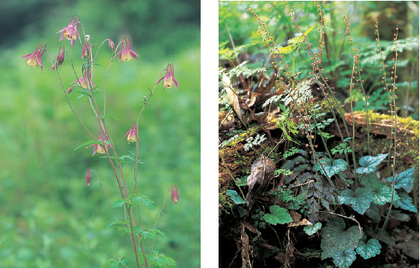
[50,217]
[238,30]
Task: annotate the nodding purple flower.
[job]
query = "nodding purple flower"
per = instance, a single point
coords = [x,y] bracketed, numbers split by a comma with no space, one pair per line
[111,44]
[88,177]
[126,52]
[86,47]
[98,148]
[60,59]
[169,79]
[174,194]
[70,32]
[83,81]
[132,134]
[35,58]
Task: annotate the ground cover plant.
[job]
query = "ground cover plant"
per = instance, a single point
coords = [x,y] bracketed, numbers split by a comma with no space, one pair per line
[51,218]
[318,153]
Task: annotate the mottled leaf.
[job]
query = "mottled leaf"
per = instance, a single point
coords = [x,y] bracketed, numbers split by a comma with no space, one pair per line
[359,200]
[370,163]
[369,249]
[344,259]
[336,238]
[235,197]
[338,166]
[404,180]
[405,202]
[310,230]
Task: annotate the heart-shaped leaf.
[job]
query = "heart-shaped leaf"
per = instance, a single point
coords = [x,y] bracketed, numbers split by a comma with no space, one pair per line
[336,238]
[404,180]
[405,202]
[338,166]
[359,200]
[344,259]
[277,215]
[369,249]
[235,197]
[370,163]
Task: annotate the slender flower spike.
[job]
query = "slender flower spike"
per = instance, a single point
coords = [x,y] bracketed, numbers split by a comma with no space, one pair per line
[60,59]
[126,53]
[88,177]
[174,194]
[169,79]
[98,148]
[70,32]
[132,134]
[111,44]
[82,82]
[35,58]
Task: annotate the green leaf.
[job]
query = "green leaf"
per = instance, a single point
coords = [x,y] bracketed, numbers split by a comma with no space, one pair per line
[404,180]
[278,215]
[335,238]
[160,260]
[405,202]
[145,200]
[235,197]
[381,192]
[396,214]
[118,203]
[241,181]
[374,212]
[310,230]
[338,166]
[370,163]
[344,259]
[359,200]
[150,233]
[112,263]
[370,249]
[384,237]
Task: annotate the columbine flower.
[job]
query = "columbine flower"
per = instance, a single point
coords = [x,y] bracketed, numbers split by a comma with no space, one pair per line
[60,59]
[88,177]
[35,58]
[86,47]
[111,44]
[132,134]
[169,79]
[70,32]
[82,81]
[126,53]
[174,194]
[98,148]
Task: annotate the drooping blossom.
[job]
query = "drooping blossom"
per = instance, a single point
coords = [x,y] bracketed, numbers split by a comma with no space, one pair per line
[35,58]
[82,81]
[70,90]
[169,79]
[111,44]
[88,177]
[100,149]
[174,194]
[70,32]
[60,59]
[86,47]
[131,134]
[126,52]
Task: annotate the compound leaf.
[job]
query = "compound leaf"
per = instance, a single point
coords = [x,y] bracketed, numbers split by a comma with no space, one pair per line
[235,197]
[404,180]
[344,259]
[370,163]
[359,200]
[369,249]
[405,202]
[310,230]
[335,238]
[146,201]
[278,215]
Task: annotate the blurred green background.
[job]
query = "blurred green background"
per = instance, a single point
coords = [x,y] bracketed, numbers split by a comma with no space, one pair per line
[49,217]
